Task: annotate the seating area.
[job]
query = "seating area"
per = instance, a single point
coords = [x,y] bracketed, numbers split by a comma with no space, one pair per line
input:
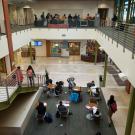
[73,123]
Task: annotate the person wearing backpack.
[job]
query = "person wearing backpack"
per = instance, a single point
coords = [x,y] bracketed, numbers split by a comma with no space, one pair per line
[30,75]
[112,108]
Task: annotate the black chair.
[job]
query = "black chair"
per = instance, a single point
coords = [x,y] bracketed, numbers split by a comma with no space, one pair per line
[63,114]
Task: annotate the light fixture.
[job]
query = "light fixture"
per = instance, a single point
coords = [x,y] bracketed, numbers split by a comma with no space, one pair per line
[26,6]
[56,44]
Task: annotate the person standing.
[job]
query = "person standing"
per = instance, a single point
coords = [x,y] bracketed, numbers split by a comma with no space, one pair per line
[30,75]
[112,108]
[19,76]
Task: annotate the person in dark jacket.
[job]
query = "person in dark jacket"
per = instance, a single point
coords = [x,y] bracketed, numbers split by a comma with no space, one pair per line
[41,109]
[61,107]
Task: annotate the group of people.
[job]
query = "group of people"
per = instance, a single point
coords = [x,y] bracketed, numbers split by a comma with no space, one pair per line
[93,90]
[43,115]
[29,73]
[111,103]
[72,21]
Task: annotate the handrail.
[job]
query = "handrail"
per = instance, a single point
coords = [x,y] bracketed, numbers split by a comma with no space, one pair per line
[10,85]
[121,33]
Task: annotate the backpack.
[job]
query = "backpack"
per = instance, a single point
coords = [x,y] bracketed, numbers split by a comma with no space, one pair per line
[30,73]
[113,107]
[48,118]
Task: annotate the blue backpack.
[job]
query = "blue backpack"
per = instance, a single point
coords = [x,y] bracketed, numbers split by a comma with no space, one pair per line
[74,97]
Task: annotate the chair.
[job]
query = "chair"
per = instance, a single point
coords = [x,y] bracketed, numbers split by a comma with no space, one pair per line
[40,118]
[63,114]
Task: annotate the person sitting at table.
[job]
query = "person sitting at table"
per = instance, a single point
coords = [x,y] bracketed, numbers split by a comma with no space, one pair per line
[96,93]
[58,88]
[91,84]
[41,109]
[96,113]
[62,110]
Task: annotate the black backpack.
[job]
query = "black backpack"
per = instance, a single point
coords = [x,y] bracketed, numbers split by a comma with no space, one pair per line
[48,118]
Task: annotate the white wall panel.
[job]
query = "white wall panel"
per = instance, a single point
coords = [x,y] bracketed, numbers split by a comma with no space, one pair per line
[21,38]
[63,34]
[3,46]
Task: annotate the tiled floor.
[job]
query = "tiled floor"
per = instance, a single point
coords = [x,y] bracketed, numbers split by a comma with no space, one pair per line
[62,68]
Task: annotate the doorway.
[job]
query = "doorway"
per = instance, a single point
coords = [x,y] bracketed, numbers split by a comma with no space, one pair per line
[103,12]
[74,48]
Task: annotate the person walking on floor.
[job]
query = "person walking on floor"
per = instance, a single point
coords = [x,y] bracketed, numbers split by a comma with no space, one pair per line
[30,75]
[112,108]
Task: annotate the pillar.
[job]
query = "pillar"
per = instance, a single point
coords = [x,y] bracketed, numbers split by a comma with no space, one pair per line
[31,57]
[8,33]
[131,111]
[105,70]
[96,51]
[128,11]
[120,10]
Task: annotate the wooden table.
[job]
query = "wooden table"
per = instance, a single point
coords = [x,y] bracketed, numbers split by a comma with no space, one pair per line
[51,86]
[77,89]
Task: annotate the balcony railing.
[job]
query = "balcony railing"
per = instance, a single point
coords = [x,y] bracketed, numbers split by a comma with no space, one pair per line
[9,87]
[121,33]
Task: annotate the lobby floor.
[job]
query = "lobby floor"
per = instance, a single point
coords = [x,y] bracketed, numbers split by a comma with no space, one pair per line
[62,68]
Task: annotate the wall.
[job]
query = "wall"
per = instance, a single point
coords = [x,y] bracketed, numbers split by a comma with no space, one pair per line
[21,38]
[63,34]
[3,46]
[41,50]
[81,7]
[2,18]
[83,47]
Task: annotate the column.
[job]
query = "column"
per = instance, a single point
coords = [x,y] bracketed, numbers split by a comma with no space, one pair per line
[128,11]
[96,51]
[131,111]
[8,33]
[120,10]
[105,70]
[31,58]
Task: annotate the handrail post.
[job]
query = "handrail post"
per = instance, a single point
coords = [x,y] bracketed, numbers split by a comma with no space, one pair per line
[133,50]
[7,91]
[118,35]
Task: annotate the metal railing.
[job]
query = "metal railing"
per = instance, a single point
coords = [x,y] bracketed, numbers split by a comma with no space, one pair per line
[10,85]
[122,33]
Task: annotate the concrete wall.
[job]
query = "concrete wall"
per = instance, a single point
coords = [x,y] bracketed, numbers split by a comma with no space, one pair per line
[41,50]
[63,34]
